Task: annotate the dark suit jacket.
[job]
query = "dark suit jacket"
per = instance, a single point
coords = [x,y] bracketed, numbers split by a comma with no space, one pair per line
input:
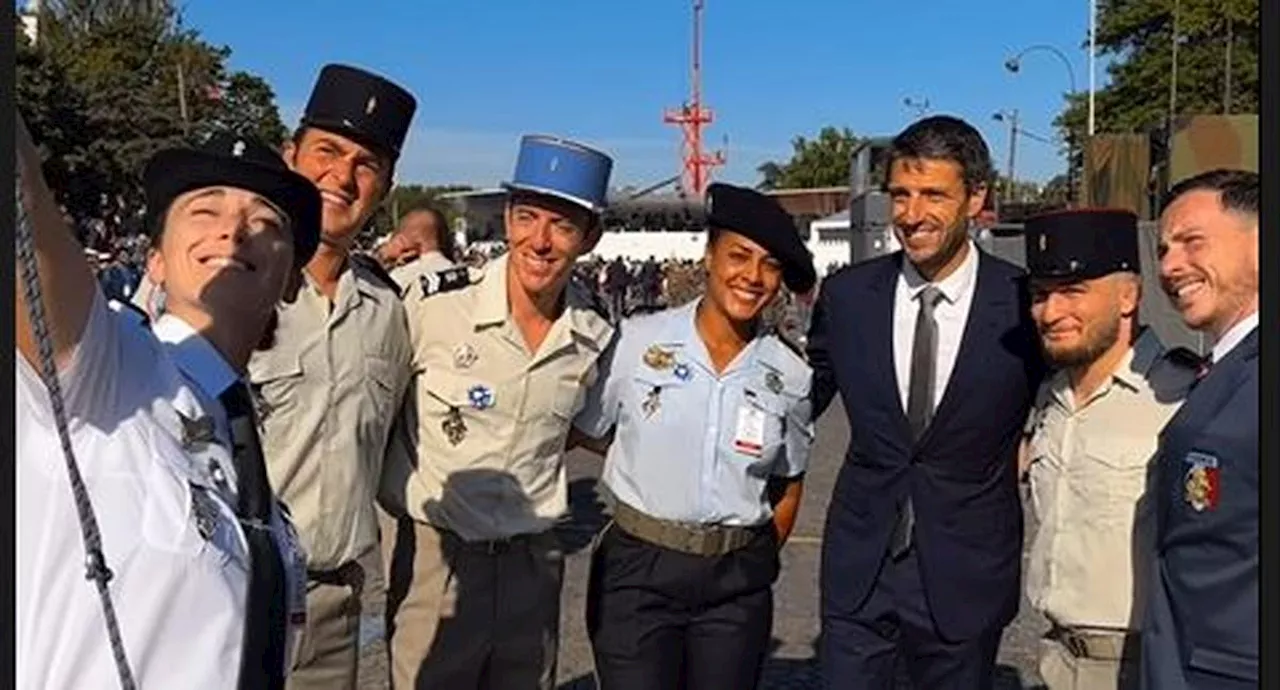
[1201,628]
[962,475]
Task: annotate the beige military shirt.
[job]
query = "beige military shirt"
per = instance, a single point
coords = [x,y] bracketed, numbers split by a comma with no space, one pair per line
[327,394]
[1090,557]
[480,446]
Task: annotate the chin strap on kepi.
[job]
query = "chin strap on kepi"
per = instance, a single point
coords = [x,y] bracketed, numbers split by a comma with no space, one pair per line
[95,563]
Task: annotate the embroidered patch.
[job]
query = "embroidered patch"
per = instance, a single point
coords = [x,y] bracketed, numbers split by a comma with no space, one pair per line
[1202,482]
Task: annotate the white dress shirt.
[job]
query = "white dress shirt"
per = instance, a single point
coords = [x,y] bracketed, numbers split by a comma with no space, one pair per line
[1234,336]
[951,314]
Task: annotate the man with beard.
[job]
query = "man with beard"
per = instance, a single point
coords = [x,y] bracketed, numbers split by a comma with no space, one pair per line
[327,391]
[1202,619]
[475,480]
[933,352]
[1091,438]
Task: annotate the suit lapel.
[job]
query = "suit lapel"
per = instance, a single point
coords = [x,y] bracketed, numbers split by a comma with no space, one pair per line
[880,343]
[991,301]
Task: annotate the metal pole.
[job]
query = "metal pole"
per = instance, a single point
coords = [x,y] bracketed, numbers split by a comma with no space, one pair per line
[1013,149]
[1093,57]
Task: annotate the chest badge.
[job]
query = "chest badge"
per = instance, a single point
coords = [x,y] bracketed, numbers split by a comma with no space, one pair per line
[205,512]
[682,371]
[652,403]
[773,382]
[1201,483]
[659,358]
[480,397]
[464,356]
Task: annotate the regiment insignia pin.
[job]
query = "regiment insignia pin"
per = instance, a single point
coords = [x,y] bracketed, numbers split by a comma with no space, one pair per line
[1202,482]
[658,358]
[453,427]
[371,106]
[196,432]
[205,512]
[682,371]
[651,403]
[464,356]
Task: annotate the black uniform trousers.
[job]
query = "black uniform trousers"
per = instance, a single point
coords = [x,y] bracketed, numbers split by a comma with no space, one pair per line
[660,619]
[894,622]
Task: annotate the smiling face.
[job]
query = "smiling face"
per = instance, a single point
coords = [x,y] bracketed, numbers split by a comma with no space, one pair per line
[545,236]
[225,254]
[932,208]
[1209,261]
[351,178]
[1080,320]
[742,277]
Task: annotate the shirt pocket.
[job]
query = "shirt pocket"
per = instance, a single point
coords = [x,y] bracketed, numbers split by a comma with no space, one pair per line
[657,398]
[382,383]
[1112,480]
[453,408]
[275,375]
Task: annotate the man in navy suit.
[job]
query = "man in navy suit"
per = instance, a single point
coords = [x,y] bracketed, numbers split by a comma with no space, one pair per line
[1201,628]
[935,357]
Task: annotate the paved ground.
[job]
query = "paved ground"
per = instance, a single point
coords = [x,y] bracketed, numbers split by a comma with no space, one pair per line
[792,665]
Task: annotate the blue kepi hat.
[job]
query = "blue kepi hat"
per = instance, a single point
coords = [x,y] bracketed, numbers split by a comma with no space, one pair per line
[562,168]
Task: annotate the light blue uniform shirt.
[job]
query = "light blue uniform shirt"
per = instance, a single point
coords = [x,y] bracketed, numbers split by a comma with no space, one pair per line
[693,446]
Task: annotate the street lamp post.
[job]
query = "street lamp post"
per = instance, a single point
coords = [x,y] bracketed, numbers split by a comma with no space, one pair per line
[1012,118]
[1014,65]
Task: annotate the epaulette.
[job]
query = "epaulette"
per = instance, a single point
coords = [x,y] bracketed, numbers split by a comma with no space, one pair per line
[789,343]
[372,265]
[447,280]
[1184,357]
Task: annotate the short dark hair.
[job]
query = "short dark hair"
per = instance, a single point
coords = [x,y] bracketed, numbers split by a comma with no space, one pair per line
[1237,189]
[942,137]
[444,235]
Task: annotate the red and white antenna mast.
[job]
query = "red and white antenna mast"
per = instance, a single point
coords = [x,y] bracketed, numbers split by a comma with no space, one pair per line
[692,118]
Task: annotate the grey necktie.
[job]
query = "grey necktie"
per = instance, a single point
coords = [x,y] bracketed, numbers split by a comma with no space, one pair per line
[920,393]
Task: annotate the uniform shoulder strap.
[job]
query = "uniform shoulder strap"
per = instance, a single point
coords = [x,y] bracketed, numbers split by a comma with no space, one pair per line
[448,280]
[372,265]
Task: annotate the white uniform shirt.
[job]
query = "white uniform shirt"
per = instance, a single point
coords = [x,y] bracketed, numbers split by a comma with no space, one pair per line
[169,534]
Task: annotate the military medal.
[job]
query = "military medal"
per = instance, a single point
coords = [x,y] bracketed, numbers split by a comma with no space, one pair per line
[205,512]
[658,358]
[453,427]
[196,432]
[651,403]
[773,382]
[464,356]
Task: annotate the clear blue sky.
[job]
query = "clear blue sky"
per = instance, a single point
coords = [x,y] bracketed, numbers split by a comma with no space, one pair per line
[603,71]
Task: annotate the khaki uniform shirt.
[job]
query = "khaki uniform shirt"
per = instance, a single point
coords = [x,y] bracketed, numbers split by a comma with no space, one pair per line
[327,393]
[480,445]
[1091,555]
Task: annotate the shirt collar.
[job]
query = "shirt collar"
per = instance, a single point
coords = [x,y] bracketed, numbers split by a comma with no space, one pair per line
[953,286]
[1233,336]
[195,356]
[491,306]
[1137,362]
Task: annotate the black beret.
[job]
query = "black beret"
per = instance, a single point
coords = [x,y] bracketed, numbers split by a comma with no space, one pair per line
[1082,244]
[236,161]
[362,106]
[760,218]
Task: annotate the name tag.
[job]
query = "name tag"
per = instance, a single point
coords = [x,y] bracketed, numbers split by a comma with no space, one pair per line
[749,438]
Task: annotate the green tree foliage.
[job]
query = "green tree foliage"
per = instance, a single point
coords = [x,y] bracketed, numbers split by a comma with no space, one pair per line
[820,162]
[1138,35]
[109,83]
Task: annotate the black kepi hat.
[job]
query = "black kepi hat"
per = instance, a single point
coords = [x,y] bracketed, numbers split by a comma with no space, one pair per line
[230,160]
[760,218]
[362,106]
[1081,244]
